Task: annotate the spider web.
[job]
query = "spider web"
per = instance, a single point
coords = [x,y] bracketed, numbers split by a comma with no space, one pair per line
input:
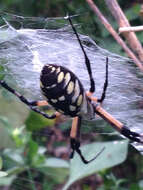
[28,43]
[25,50]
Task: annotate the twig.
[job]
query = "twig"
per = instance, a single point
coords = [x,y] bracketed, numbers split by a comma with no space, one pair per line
[114,33]
[131,29]
[122,21]
[141,11]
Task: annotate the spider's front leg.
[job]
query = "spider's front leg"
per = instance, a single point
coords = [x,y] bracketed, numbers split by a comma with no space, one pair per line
[103,96]
[75,141]
[30,104]
[88,66]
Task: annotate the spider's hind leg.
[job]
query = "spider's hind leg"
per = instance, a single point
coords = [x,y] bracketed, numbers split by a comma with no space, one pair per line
[30,104]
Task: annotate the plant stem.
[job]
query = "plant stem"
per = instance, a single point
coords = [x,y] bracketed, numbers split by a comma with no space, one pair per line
[31,179]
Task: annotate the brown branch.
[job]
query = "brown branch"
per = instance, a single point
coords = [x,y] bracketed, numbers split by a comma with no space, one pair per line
[141,11]
[123,22]
[107,25]
[130,29]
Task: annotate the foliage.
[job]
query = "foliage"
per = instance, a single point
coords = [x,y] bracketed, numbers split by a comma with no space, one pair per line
[113,154]
[29,159]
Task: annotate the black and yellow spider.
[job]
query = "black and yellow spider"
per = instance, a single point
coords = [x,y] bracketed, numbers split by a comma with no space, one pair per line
[65,93]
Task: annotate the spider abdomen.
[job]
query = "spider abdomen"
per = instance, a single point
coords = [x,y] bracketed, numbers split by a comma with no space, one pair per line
[62,89]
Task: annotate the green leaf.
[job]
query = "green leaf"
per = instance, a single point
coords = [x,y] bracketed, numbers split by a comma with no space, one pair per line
[6,129]
[140,36]
[12,115]
[0,163]
[16,170]
[55,168]
[36,121]
[35,154]
[3,174]
[32,149]
[14,155]
[15,111]
[115,153]
[55,163]
[1,71]
[20,136]
[141,184]
[133,12]
[6,180]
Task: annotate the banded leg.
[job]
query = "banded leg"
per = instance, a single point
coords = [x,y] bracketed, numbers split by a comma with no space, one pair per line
[32,104]
[89,94]
[75,142]
[105,84]
[118,125]
[87,62]
[88,65]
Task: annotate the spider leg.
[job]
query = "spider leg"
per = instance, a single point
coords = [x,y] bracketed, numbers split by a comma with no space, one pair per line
[105,84]
[118,125]
[28,103]
[75,143]
[87,62]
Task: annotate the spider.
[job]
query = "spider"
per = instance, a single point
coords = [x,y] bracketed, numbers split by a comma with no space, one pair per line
[65,93]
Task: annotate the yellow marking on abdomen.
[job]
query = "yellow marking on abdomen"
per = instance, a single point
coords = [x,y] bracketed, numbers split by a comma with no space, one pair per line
[41,85]
[62,98]
[76,91]
[53,69]
[70,87]
[67,79]
[60,77]
[54,100]
[79,101]
[72,108]
[58,70]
